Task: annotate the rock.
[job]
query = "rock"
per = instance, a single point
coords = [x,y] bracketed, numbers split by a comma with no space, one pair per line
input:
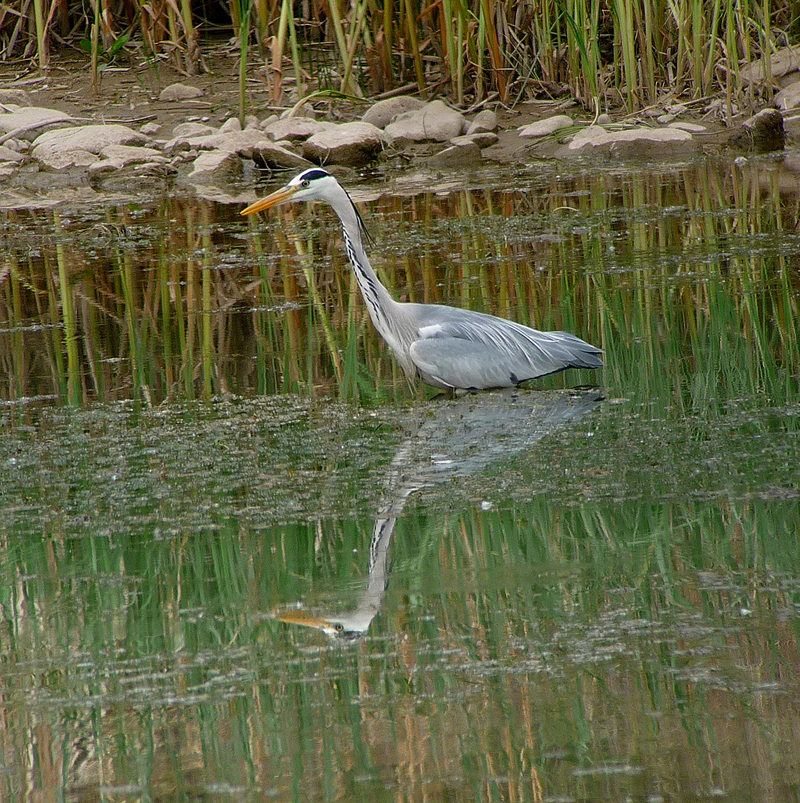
[139,177]
[64,160]
[129,154]
[762,133]
[305,110]
[604,119]
[639,141]
[16,97]
[176,92]
[295,129]
[384,111]
[10,155]
[32,121]
[482,140]
[68,147]
[790,124]
[543,128]
[789,97]
[92,138]
[484,122]
[150,129]
[230,126]
[692,128]
[275,157]
[782,64]
[192,130]
[253,144]
[214,165]
[248,144]
[132,166]
[352,144]
[464,154]
[434,121]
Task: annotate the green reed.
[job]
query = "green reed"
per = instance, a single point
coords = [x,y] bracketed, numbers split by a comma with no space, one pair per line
[628,52]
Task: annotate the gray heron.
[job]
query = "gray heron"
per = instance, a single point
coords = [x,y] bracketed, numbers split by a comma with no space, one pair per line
[444,346]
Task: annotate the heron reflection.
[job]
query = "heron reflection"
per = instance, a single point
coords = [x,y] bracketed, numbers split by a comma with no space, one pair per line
[450,439]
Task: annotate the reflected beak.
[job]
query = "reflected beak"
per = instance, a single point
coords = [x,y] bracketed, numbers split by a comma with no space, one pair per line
[280,196]
[300,617]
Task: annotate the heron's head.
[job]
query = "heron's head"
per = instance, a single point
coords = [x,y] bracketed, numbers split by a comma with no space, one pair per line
[313,184]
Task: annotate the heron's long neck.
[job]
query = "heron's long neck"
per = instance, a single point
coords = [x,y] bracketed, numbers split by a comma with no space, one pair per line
[376,296]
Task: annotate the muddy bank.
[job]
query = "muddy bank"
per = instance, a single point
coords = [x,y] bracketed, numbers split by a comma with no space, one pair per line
[146,130]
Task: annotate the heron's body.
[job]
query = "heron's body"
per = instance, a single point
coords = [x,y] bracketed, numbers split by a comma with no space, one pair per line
[444,346]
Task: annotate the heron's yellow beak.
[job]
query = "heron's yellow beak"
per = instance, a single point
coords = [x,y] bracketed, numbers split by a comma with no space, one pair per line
[278,197]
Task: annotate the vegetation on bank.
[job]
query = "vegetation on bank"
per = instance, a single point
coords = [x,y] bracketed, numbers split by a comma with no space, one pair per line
[605,53]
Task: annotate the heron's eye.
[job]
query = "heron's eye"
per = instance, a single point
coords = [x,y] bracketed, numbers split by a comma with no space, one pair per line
[305,183]
[338,628]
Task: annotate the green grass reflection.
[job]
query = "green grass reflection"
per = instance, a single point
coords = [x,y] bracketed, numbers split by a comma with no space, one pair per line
[687,277]
[509,645]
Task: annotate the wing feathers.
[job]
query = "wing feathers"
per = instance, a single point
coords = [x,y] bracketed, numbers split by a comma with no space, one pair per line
[472,350]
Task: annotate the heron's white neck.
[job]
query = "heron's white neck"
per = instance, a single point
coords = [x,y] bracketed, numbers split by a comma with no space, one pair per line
[377,298]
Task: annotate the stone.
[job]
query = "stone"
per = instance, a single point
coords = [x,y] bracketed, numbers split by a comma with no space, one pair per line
[16,97]
[139,177]
[464,154]
[790,124]
[546,127]
[192,130]
[64,160]
[352,144]
[29,122]
[216,165]
[131,154]
[176,92]
[248,144]
[692,128]
[782,64]
[275,157]
[304,110]
[10,155]
[230,126]
[485,122]
[482,140]
[71,147]
[384,111]
[295,129]
[92,138]
[632,142]
[150,129]
[788,97]
[435,121]
[763,132]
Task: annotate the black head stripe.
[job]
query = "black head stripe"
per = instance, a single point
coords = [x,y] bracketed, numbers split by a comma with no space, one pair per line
[314,173]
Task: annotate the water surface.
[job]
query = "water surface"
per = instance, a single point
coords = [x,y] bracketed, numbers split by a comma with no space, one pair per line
[541,595]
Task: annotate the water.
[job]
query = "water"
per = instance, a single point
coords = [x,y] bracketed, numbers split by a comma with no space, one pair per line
[540,595]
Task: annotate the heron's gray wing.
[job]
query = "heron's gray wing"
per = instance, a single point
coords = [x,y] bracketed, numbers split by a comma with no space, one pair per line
[464,349]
